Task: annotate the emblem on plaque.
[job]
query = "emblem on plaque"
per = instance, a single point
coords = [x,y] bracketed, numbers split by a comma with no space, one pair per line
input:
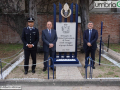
[66,28]
[66,11]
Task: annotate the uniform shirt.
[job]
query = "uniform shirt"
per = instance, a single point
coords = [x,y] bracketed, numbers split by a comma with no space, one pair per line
[30,35]
[31,28]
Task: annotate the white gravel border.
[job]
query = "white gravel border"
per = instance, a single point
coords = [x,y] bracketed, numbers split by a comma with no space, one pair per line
[9,69]
[111,60]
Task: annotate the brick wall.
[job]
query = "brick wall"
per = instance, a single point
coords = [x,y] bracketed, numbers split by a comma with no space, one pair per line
[111,27]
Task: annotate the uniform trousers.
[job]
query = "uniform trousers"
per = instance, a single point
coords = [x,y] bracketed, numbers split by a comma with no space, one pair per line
[27,55]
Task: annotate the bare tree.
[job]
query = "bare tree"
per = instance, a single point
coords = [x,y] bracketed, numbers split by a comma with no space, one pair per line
[12,11]
[11,6]
[84,13]
[33,11]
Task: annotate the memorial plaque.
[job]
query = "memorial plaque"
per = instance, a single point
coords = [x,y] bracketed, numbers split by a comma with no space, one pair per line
[66,32]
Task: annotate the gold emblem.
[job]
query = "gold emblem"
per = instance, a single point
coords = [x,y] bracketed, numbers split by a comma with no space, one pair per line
[66,11]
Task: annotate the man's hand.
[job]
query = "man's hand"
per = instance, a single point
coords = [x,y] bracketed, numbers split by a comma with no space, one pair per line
[51,45]
[30,45]
[89,44]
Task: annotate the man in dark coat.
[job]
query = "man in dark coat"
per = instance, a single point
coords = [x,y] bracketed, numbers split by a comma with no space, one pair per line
[49,38]
[90,37]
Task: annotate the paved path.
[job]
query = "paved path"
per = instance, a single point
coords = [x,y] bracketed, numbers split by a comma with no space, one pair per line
[68,73]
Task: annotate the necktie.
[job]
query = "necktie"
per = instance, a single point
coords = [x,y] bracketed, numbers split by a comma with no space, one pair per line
[89,35]
[49,33]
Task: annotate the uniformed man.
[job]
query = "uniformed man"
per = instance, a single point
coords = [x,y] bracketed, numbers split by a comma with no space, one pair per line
[30,38]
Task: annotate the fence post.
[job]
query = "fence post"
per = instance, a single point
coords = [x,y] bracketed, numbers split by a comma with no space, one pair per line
[91,65]
[48,67]
[1,68]
[86,65]
[53,67]
[86,72]
[108,43]
[100,43]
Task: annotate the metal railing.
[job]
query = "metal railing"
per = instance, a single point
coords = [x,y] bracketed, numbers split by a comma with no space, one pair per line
[91,65]
[52,66]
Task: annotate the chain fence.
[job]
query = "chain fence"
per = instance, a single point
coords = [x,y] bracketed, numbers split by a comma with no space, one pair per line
[104,48]
[12,55]
[50,58]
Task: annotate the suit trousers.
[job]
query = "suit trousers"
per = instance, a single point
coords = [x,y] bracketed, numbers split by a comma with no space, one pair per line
[46,54]
[27,55]
[87,52]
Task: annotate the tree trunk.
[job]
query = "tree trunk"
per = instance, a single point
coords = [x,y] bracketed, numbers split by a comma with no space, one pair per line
[84,13]
[33,11]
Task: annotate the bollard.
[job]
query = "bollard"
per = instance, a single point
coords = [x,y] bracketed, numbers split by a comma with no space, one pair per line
[1,68]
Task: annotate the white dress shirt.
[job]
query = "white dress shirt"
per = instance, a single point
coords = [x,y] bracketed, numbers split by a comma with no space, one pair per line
[30,28]
[49,31]
[89,31]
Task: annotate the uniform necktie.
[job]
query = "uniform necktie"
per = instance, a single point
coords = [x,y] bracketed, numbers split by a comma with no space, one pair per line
[89,35]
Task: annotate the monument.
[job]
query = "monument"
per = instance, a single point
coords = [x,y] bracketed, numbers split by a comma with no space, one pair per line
[66,45]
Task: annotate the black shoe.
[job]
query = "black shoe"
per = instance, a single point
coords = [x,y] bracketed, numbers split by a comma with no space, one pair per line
[44,69]
[26,72]
[33,71]
[93,67]
[54,69]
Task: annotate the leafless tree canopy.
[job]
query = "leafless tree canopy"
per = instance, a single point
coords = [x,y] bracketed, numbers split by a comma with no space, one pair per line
[12,6]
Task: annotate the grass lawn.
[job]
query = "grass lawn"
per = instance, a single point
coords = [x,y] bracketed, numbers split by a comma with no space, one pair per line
[7,50]
[114,47]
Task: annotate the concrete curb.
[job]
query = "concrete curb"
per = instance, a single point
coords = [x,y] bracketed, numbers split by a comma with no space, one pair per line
[43,82]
